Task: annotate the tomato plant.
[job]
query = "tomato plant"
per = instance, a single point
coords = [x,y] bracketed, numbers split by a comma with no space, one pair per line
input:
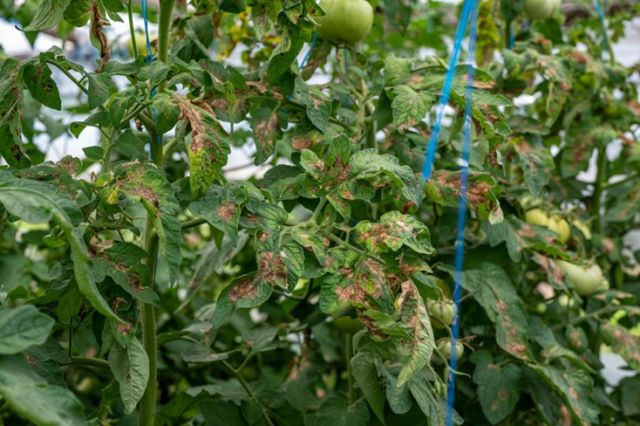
[146,282]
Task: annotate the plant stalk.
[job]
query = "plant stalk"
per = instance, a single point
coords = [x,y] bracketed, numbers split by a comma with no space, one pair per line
[148,322]
[601,181]
[348,356]
[134,44]
[147,313]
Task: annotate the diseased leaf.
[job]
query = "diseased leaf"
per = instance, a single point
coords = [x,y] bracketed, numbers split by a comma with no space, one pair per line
[409,107]
[394,231]
[499,386]
[99,90]
[148,185]
[23,327]
[574,388]
[48,14]
[36,202]
[537,165]
[493,290]
[221,206]
[37,78]
[125,263]
[208,149]
[422,342]
[130,367]
[367,164]
[10,111]
[622,342]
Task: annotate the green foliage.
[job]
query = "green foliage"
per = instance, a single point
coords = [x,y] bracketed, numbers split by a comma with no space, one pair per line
[149,284]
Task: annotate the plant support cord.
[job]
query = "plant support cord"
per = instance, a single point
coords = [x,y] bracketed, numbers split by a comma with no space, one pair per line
[427,167]
[462,212]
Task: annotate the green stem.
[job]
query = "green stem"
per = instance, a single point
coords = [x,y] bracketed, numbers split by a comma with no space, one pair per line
[249,391]
[94,362]
[147,314]
[601,180]
[193,223]
[148,322]
[348,356]
[164,27]
[106,157]
[594,314]
[131,29]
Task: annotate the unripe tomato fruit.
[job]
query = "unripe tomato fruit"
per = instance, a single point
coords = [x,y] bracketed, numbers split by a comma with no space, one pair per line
[541,9]
[444,346]
[582,227]
[442,311]
[553,223]
[348,325]
[345,21]
[566,302]
[585,280]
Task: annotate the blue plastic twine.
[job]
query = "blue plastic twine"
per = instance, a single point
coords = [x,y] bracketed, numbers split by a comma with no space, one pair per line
[600,11]
[462,214]
[446,89]
[312,44]
[148,59]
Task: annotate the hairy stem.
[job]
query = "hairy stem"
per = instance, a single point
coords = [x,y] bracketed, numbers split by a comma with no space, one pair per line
[148,322]
[601,181]
[147,317]
[348,356]
[131,29]
[93,362]
[164,27]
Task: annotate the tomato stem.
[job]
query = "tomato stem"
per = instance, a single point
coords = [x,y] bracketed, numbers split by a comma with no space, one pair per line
[134,44]
[147,312]
[348,356]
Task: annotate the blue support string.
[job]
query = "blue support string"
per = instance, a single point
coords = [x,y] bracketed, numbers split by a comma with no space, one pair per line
[148,59]
[312,44]
[600,12]
[462,212]
[427,167]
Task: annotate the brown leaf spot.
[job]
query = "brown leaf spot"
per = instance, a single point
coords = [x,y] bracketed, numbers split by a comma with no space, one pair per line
[227,210]
[243,290]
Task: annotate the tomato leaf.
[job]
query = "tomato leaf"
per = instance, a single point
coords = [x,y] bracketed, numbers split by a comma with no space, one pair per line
[23,327]
[33,399]
[499,386]
[130,367]
[48,14]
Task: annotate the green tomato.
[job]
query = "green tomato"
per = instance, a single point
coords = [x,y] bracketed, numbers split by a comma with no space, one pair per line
[541,9]
[536,217]
[540,308]
[345,21]
[560,227]
[141,45]
[582,227]
[348,325]
[566,302]
[553,223]
[442,311]
[444,346]
[87,385]
[585,280]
